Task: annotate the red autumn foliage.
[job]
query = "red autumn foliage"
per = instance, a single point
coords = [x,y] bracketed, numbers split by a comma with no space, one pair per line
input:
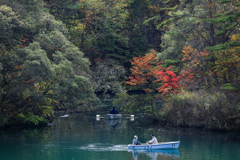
[97,60]
[170,82]
[148,74]
[26,41]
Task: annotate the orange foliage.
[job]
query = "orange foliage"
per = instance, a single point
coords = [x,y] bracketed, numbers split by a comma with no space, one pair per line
[192,55]
[193,70]
[18,67]
[148,73]
[143,71]
[25,41]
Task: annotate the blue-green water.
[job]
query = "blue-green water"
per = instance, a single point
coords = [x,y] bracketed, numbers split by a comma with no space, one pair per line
[83,137]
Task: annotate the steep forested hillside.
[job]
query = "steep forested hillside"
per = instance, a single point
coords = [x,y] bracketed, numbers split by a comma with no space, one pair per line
[62,53]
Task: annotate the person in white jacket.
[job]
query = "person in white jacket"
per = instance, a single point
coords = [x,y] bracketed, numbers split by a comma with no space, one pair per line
[153,141]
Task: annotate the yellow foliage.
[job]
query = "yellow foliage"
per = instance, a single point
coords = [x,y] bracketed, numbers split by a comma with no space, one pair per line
[235,37]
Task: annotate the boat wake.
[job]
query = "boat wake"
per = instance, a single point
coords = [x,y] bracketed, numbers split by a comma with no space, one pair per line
[104,147]
[110,147]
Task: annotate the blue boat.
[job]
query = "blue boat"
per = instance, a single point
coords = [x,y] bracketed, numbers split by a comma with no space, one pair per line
[162,145]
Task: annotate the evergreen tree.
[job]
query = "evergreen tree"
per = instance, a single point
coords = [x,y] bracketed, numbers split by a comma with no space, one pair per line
[40,68]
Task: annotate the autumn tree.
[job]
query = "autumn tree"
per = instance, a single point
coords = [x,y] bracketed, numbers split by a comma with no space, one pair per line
[193,72]
[201,25]
[148,73]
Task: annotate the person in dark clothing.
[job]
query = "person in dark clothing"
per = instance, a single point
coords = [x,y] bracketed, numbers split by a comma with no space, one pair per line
[114,111]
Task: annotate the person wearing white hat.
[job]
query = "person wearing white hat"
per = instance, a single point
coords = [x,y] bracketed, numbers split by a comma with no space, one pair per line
[153,141]
[135,141]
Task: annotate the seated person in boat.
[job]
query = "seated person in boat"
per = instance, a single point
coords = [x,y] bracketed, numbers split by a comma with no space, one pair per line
[114,111]
[135,141]
[153,141]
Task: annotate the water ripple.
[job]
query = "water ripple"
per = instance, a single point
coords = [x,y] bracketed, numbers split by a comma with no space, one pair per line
[104,147]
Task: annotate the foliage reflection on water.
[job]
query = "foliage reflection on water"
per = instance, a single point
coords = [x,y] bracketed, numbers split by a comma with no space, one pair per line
[82,135]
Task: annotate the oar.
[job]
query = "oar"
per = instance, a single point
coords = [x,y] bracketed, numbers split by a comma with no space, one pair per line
[131,116]
[128,115]
[98,115]
[119,113]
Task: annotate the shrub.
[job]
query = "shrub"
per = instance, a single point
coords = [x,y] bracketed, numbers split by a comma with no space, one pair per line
[202,109]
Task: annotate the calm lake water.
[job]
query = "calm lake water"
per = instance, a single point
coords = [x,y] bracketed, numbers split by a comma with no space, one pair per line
[83,137]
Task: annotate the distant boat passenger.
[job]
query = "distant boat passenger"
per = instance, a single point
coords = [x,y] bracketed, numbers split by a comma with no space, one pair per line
[135,141]
[114,111]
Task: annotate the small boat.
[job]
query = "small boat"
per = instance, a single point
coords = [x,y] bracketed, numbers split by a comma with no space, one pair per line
[114,116]
[162,145]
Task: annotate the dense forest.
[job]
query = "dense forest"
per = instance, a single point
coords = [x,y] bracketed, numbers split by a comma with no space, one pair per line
[66,54]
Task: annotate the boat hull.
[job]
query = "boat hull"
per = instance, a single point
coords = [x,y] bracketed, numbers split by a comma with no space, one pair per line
[114,116]
[163,145]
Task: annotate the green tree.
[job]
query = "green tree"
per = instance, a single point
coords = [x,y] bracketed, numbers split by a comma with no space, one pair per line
[40,68]
[107,76]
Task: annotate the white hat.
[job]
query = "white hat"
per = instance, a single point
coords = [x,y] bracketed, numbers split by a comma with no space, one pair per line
[135,136]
